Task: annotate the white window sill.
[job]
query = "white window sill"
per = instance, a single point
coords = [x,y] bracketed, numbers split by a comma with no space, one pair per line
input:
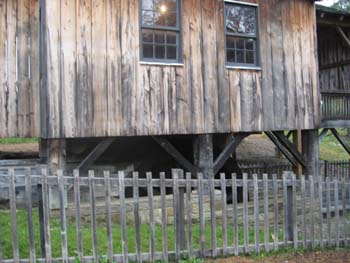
[170,64]
[243,67]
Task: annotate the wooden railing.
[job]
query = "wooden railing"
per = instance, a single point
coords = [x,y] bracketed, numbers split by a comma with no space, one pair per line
[158,218]
[335,106]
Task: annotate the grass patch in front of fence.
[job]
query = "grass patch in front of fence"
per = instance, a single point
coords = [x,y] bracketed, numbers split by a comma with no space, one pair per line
[6,236]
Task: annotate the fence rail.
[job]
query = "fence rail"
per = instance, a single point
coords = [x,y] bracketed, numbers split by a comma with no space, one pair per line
[159,218]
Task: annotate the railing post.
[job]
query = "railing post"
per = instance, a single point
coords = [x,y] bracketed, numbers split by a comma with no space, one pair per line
[41,221]
[290,207]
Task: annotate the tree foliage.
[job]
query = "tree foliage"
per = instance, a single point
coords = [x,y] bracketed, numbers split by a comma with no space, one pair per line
[342,5]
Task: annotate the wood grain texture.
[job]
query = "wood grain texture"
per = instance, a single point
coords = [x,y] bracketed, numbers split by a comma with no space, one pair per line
[19,73]
[96,87]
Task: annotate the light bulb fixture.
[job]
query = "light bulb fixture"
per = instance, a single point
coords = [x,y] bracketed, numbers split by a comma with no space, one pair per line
[163,8]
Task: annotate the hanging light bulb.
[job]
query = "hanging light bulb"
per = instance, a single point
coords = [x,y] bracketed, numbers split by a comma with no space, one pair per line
[163,8]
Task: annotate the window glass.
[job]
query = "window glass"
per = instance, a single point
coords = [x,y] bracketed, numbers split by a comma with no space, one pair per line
[241,34]
[160,30]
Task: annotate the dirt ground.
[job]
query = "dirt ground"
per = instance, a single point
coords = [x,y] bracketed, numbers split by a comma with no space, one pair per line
[311,257]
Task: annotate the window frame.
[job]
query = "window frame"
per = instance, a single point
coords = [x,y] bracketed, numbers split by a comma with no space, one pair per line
[256,65]
[177,30]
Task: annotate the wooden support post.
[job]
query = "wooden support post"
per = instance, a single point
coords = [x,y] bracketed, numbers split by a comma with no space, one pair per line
[341,140]
[203,154]
[55,152]
[170,149]
[311,152]
[94,155]
[298,145]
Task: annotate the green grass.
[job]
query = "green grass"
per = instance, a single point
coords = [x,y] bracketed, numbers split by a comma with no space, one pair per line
[6,236]
[331,149]
[18,140]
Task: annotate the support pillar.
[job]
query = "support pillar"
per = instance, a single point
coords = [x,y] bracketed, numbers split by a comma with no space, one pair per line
[203,154]
[311,151]
[53,154]
[297,142]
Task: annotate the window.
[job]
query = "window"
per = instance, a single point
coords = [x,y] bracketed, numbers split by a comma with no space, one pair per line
[241,34]
[160,30]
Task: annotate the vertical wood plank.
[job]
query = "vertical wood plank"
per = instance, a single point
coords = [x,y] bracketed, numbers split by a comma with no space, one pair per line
[93,215]
[64,244]
[212,216]
[136,215]
[275,208]
[201,214]
[245,213]
[312,210]
[234,214]
[46,208]
[320,214]
[224,213]
[123,215]
[13,207]
[29,203]
[266,213]
[336,205]
[256,213]
[107,185]
[151,215]
[303,210]
[78,214]
[189,213]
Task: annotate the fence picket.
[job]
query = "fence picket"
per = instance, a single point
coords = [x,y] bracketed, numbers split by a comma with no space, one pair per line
[266,213]
[234,213]
[256,212]
[201,214]
[328,185]
[151,215]
[344,214]
[164,217]
[29,203]
[294,212]
[245,213]
[137,216]
[123,216]
[212,216]
[78,214]
[275,208]
[312,210]
[337,221]
[93,215]
[224,213]
[62,201]
[303,210]
[12,193]
[107,185]
[320,207]
[285,210]
[46,212]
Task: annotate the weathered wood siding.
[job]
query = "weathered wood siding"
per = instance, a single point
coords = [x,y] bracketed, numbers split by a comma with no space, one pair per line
[19,70]
[334,60]
[95,85]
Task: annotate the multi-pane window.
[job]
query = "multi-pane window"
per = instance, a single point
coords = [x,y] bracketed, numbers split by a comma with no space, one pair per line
[241,34]
[160,30]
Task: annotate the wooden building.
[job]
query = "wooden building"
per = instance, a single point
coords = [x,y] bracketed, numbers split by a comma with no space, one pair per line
[188,77]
